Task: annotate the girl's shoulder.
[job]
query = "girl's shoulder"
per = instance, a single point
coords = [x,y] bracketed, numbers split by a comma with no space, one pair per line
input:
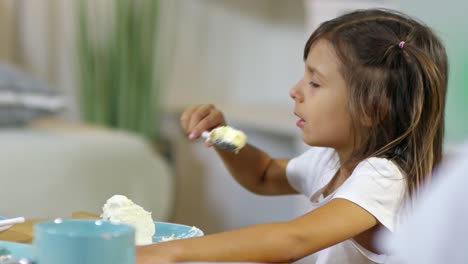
[379,168]
[318,156]
[312,169]
[378,186]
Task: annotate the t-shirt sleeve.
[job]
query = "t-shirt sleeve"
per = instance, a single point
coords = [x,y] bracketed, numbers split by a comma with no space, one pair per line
[304,172]
[378,186]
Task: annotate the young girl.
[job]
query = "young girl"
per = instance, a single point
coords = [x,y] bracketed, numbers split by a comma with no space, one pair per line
[371,106]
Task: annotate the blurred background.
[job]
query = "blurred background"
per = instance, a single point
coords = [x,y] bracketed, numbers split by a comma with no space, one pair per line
[91,93]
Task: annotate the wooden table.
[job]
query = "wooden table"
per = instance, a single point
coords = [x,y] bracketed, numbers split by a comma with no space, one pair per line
[24,232]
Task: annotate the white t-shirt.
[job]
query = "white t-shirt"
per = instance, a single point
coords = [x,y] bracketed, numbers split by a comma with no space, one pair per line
[377,185]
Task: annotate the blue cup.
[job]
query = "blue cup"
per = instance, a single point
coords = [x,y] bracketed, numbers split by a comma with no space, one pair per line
[79,241]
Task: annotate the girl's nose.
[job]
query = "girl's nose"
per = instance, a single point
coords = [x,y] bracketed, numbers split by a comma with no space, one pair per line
[296,93]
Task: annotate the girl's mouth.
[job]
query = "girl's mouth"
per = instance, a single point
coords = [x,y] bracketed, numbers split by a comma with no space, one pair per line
[300,123]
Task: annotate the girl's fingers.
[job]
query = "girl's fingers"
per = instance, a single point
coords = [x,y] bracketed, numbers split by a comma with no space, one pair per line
[198,115]
[199,118]
[213,119]
[186,116]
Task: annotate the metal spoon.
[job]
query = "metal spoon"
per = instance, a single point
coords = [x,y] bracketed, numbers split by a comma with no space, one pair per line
[222,142]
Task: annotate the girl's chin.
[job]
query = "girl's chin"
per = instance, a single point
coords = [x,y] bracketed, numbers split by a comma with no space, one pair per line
[310,139]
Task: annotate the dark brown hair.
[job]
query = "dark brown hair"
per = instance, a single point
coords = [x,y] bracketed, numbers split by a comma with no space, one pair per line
[398,88]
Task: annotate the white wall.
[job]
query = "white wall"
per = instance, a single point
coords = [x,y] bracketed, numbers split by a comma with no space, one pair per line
[244,52]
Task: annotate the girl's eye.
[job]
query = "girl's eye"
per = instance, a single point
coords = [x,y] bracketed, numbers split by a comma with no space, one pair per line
[315,85]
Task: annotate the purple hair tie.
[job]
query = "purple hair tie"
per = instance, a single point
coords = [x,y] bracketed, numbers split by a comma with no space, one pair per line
[401,45]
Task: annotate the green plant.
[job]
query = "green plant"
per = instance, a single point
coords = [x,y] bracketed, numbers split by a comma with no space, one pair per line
[118,83]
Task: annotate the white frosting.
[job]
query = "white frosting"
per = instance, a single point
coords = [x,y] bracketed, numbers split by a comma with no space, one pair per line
[230,135]
[120,209]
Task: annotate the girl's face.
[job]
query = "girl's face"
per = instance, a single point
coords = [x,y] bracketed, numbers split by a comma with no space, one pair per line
[321,100]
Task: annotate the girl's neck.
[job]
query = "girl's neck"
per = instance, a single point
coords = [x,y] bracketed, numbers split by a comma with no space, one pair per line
[343,172]
[344,156]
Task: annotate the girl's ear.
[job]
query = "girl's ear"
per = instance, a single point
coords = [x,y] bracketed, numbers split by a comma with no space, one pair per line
[372,117]
[366,120]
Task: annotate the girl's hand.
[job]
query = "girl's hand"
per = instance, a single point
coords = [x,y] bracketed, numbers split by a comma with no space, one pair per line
[199,118]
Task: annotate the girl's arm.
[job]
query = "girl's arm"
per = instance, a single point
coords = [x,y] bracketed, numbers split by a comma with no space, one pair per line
[251,167]
[330,224]
[257,171]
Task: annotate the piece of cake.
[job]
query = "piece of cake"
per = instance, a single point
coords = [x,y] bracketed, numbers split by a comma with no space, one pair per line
[225,135]
[120,209]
